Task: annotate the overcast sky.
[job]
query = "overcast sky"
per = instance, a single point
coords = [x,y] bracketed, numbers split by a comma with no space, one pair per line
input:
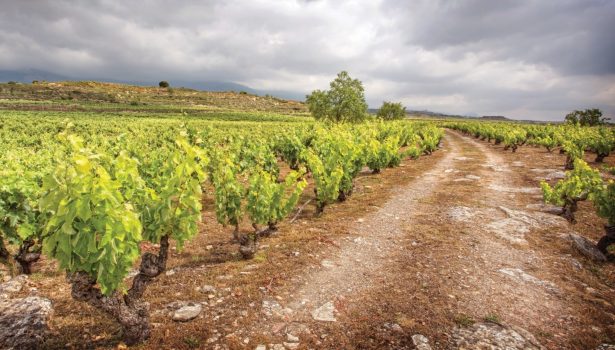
[523,59]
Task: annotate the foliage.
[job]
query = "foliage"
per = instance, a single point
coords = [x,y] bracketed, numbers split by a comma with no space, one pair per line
[579,184]
[588,117]
[164,84]
[268,202]
[391,111]
[343,102]
[94,227]
[604,200]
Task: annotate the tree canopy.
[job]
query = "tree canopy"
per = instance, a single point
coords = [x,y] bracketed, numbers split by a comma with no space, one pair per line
[588,117]
[391,111]
[343,102]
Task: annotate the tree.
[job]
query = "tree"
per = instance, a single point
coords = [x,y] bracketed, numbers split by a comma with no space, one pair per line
[391,111]
[164,84]
[344,102]
[588,117]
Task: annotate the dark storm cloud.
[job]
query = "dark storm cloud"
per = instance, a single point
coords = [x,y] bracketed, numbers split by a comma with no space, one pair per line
[525,59]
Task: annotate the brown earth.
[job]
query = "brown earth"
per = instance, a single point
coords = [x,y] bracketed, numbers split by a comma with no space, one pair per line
[431,247]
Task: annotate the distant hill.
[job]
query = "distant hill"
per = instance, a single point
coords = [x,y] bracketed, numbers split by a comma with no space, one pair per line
[30,75]
[105,96]
[494,117]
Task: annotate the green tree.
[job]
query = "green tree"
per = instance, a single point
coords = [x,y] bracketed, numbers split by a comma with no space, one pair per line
[391,111]
[588,117]
[164,84]
[343,102]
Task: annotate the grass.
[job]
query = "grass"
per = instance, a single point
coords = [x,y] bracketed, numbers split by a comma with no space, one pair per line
[493,318]
[192,342]
[464,320]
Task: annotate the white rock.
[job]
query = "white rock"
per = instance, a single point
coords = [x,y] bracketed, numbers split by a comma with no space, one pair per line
[325,313]
[207,289]
[421,342]
[327,263]
[521,275]
[188,312]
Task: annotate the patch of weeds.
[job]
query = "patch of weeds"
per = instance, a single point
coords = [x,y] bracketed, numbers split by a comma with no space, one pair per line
[260,256]
[36,277]
[464,320]
[493,318]
[544,334]
[192,342]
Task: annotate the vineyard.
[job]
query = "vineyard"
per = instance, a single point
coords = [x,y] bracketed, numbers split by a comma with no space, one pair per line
[123,215]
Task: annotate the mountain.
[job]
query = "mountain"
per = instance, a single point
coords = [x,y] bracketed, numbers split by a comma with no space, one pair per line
[29,75]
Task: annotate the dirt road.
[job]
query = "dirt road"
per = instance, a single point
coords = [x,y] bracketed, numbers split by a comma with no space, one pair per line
[464,256]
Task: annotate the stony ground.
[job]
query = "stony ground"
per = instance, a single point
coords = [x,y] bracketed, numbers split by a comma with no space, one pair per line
[463,242]
[455,250]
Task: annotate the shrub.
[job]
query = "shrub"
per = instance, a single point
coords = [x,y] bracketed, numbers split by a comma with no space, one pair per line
[588,117]
[391,111]
[164,84]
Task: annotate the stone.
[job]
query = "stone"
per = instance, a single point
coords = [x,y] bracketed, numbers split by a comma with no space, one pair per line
[187,312]
[325,313]
[521,275]
[261,347]
[606,347]
[327,263]
[462,213]
[509,229]
[276,347]
[207,289]
[421,342]
[556,175]
[500,188]
[272,308]
[12,286]
[586,247]
[545,208]
[24,322]
[291,345]
[488,335]
[393,327]
[291,338]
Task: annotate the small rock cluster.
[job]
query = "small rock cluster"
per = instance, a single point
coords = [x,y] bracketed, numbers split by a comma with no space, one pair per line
[489,335]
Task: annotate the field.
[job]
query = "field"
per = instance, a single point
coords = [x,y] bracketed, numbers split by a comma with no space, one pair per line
[288,233]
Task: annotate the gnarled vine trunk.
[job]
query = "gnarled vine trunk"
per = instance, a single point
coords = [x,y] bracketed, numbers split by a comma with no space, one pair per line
[4,253]
[607,240]
[568,211]
[248,245]
[26,258]
[600,157]
[569,163]
[129,310]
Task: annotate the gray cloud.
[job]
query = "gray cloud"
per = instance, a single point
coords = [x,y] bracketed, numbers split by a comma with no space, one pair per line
[524,59]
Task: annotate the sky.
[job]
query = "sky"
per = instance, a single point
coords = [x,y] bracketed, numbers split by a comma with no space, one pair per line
[524,59]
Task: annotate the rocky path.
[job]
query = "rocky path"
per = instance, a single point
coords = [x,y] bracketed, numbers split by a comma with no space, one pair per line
[458,258]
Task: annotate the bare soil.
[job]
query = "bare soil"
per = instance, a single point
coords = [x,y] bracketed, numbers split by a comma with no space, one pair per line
[431,247]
